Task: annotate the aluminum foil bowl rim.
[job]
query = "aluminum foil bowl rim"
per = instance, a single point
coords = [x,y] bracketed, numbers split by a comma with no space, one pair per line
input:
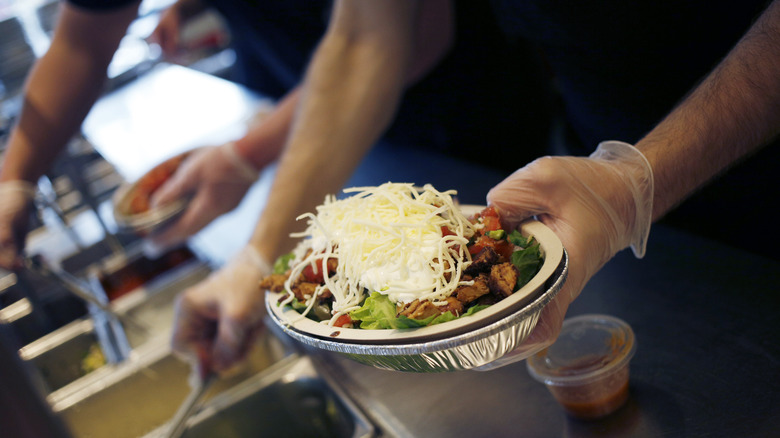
[149,219]
[152,219]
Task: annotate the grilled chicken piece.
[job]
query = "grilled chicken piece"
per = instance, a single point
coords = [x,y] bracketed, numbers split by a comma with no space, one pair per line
[423,309]
[453,305]
[419,309]
[303,290]
[273,282]
[503,278]
[482,262]
[466,294]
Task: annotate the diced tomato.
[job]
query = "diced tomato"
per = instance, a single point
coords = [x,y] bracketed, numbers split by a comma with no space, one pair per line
[342,320]
[491,223]
[310,276]
[445,231]
[502,247]
[481,243]
[488,211]
[490,219]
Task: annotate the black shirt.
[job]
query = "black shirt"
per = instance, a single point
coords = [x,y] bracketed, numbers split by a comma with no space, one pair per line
[622,65]
[101,4]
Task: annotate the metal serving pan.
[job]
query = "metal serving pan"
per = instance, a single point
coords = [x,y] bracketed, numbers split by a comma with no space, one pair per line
[289,399]
[57,358]
[139,395]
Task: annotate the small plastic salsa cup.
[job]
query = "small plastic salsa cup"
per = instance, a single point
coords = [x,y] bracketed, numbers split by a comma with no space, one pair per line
[587,367]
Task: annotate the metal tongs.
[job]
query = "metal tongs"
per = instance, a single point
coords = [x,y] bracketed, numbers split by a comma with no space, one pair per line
[189,406]
[79,288]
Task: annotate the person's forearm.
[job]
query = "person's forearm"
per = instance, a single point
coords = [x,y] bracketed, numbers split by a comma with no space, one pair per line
[264,141]
[51,114]
[348,98]
[433,39]
[189,8]
[60,90]
[734,111]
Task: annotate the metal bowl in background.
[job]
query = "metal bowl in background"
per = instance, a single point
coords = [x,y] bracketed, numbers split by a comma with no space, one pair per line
[132,212]
[486,347]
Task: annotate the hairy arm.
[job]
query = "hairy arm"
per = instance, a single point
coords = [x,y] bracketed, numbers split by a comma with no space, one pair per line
[62,87]
[264,141]
[349,96]
[732,113]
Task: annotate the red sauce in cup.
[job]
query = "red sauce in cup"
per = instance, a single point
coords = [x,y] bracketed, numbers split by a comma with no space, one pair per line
[595,399]
[587,368]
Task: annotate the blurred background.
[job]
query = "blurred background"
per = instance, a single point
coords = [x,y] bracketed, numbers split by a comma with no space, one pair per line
[95,361]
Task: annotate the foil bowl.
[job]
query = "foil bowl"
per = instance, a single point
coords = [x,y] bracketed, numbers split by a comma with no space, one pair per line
[475,349]
[130,201]
[482,343]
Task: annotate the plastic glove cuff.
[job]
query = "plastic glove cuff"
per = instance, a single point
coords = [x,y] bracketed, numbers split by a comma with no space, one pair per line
[640,173]
[246,170]
[26,188]
[251,255]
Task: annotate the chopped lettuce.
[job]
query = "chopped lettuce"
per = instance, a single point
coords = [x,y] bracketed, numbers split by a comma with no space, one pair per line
[527,261]
[282,264]
[378,312]
[516,238]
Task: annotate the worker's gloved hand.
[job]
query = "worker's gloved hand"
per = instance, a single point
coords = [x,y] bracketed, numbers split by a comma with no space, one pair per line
[168,29]
[597,206]
[215,179]
[217,319]
[15,207]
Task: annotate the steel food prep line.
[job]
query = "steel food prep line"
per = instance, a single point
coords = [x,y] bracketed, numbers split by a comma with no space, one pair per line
[704,314]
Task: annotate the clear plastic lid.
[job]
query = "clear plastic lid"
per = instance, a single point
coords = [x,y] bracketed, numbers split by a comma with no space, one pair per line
[589,348]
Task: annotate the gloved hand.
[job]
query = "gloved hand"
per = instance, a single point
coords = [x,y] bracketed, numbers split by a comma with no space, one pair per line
[596,206]
[15,206]
[216,320]
[168,29]
[216,179]
[173,35]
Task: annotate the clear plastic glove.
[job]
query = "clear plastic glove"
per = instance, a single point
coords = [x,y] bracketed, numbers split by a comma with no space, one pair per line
[168,29]
[15,206]
[597,206]
[216,320]
[215,179]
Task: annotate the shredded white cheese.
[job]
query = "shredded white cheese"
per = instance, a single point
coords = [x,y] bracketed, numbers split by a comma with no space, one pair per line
[386,239]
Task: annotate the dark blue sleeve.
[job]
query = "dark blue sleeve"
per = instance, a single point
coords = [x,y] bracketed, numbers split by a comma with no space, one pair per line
[100,4]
